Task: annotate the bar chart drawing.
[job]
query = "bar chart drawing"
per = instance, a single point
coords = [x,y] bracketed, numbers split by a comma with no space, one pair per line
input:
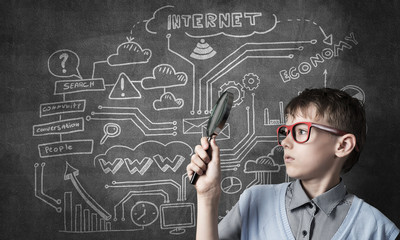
[267,119]
[77,219]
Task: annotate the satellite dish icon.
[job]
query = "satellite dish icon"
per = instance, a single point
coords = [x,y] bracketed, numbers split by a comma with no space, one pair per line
[203,51]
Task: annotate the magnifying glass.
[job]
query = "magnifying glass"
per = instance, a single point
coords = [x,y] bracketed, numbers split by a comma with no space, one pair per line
[110,130]
[217,120]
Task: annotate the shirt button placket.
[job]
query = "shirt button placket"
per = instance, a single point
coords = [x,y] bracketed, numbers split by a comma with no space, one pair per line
[305,233]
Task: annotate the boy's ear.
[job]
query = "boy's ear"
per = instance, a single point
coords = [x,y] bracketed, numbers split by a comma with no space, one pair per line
[346,144]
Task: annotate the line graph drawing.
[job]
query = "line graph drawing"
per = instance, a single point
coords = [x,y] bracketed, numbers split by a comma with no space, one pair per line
[39,192]
[71,174]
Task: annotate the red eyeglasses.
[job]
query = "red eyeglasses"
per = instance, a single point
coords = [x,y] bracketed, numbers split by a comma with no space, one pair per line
[301,131]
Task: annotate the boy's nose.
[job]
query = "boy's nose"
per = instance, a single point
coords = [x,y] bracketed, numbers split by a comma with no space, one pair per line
[288,141]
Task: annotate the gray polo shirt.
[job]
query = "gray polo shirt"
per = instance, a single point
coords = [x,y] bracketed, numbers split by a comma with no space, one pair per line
[318,218]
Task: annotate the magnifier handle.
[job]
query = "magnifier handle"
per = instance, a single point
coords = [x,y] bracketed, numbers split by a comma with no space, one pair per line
[103,139]
[209,152]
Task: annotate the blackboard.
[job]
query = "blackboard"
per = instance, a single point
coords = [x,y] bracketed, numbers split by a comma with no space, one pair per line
[102,103]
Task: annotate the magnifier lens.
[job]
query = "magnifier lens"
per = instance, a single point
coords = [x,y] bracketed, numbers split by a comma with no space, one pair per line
[216,117]
[112,130]
[216,122]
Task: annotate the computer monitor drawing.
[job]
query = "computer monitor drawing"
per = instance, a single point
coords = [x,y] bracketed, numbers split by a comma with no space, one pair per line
[177,216]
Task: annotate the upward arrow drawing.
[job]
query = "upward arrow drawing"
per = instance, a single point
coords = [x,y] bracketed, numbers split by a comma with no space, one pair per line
[325,74]
[70,174]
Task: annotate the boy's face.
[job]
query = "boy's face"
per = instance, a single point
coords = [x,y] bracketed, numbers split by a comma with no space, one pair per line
[314,159]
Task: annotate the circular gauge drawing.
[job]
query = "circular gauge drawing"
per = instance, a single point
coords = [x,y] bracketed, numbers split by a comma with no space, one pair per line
[144,213]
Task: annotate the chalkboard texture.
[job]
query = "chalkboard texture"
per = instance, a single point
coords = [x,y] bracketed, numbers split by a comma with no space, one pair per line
[103,102]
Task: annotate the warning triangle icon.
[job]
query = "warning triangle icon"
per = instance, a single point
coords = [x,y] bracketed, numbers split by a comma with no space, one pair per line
[124,89]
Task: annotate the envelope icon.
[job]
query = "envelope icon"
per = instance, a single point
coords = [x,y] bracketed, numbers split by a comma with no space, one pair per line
[194,125]
[224,134]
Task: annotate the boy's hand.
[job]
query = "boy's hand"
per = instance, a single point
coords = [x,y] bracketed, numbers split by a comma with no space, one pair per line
[209,170]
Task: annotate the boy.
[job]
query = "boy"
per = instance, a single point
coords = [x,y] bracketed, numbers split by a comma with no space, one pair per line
[323,137]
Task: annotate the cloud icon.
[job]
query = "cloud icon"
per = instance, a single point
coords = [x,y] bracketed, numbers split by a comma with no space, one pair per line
[261,164]
[164,76]
[277,155]
[156,21]
[168,101]
[129,53]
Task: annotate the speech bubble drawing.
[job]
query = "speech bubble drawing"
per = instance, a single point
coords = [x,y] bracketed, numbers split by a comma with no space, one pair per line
[64,63]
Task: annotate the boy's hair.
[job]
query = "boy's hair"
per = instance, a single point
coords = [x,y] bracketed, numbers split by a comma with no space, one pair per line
[341,111]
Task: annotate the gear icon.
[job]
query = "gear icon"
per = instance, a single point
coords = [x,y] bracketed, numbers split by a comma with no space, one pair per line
[236,89]
[251,81]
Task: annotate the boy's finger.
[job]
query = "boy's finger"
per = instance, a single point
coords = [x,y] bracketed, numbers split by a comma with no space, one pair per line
[196,160]
[202,154]
[193,168]
[215,151]
[204,143]
[189,171]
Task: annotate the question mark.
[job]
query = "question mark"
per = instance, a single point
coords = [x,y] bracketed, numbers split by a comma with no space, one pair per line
[64,56]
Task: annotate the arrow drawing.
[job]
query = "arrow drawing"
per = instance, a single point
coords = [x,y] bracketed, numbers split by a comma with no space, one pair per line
[70,174]
[327,39]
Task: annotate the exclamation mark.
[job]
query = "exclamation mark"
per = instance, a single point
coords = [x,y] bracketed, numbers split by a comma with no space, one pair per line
[122,87]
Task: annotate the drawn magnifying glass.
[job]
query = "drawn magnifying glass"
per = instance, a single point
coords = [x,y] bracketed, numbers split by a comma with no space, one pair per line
[217,120]
[110,130]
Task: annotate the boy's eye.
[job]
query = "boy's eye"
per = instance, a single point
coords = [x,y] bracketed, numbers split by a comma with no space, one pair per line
[301,131]
[283,131]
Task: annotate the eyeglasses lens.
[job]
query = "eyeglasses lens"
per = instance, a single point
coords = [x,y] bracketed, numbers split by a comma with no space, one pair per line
[300,133]
[282,133]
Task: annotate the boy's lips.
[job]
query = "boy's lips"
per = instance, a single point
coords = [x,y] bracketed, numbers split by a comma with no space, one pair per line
[288,158]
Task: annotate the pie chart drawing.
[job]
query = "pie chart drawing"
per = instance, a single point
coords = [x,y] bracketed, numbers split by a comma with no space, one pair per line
[355,92]
[231,185]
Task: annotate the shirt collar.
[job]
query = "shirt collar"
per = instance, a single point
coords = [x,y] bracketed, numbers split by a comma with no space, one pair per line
[327,201]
